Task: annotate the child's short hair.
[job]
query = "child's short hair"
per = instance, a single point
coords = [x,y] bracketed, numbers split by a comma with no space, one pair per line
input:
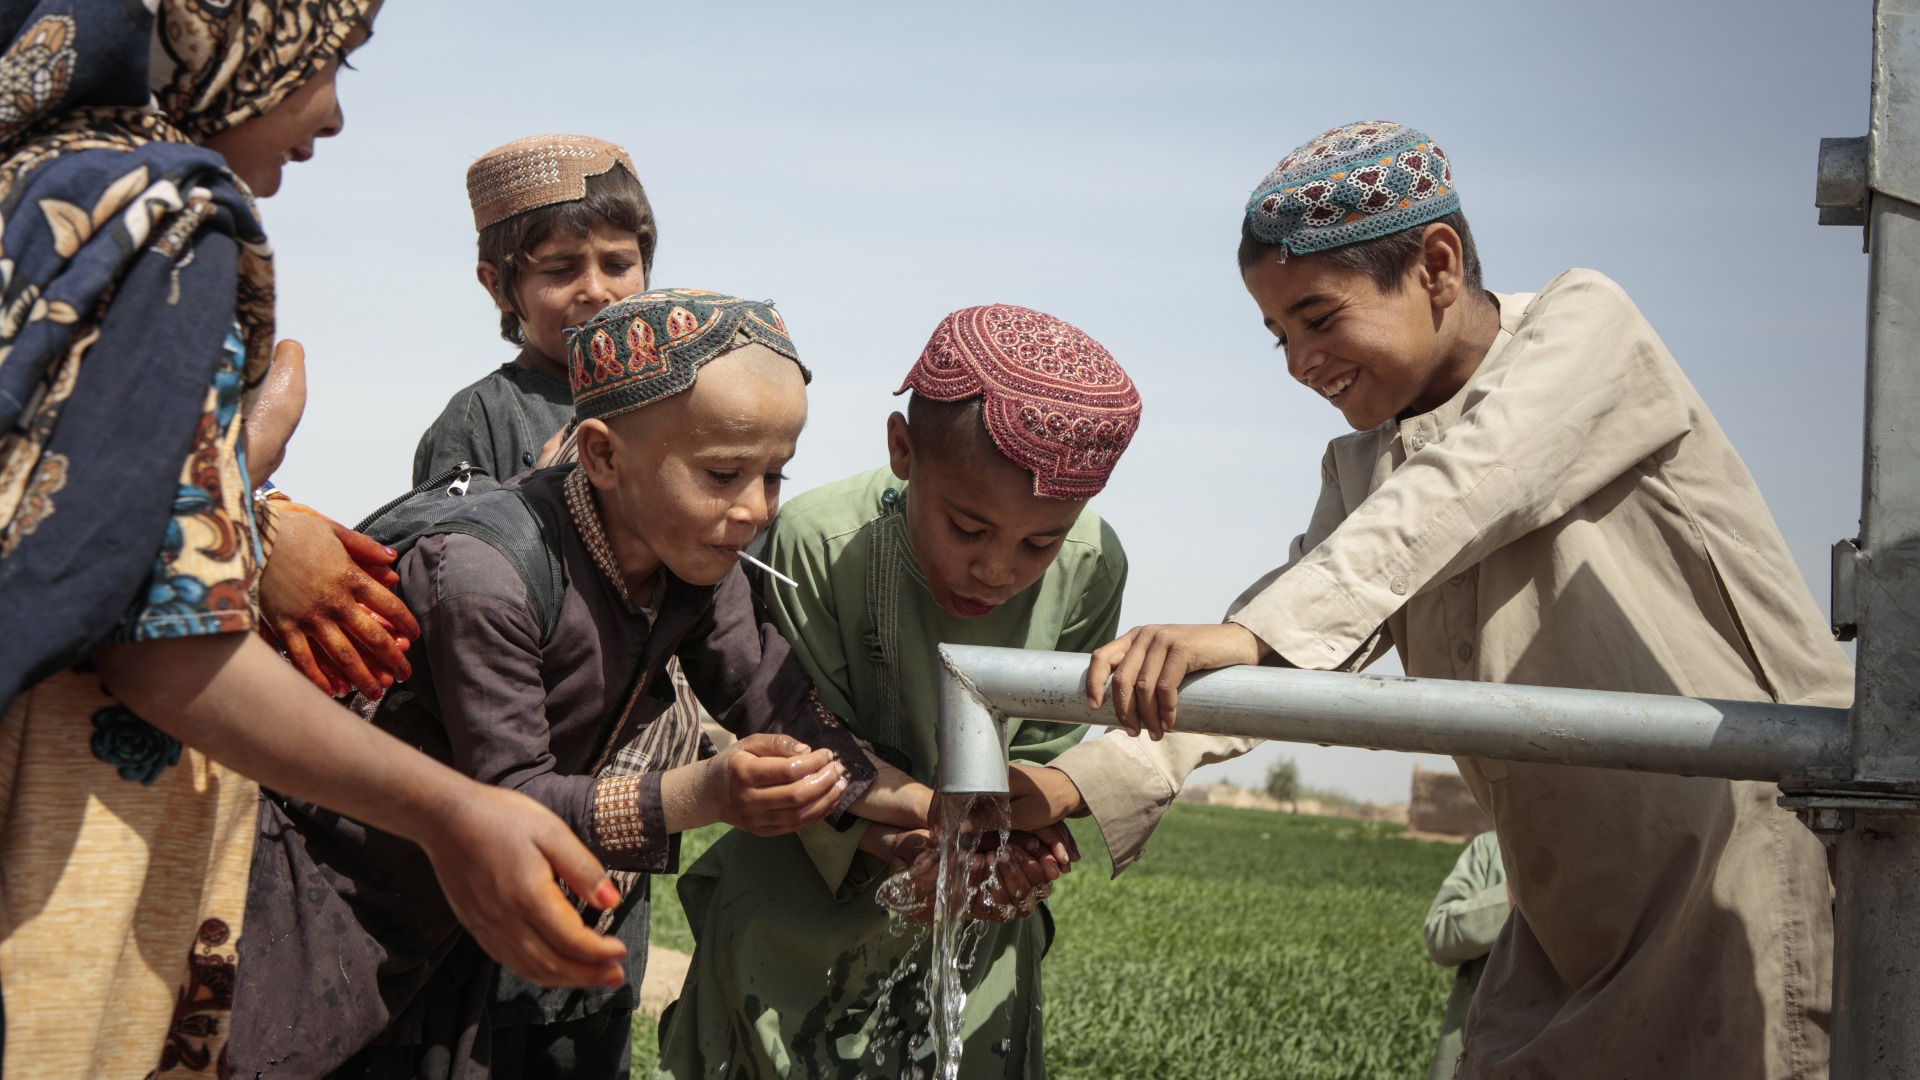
[1384,259]
[1358,197]
[949,429]
[523,191]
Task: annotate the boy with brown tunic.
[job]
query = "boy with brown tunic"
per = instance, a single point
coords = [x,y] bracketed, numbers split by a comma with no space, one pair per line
[1535,494]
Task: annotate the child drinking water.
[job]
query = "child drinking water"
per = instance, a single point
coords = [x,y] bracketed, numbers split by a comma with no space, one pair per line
[689,403]
[565,229]
[1535,494]
[977,533]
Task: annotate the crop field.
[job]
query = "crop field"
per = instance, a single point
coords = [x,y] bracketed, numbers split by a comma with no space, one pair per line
[1245,944]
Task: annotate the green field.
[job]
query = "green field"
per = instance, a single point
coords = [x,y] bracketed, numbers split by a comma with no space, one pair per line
[1244,944]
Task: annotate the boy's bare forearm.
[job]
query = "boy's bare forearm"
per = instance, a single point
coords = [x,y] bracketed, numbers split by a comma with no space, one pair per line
[230,697]
[895,798]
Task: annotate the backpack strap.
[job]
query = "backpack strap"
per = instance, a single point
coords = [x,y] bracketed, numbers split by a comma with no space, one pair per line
[529,539]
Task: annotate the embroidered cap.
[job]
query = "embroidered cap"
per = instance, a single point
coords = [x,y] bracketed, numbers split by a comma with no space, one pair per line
[652,345]
[1353,183]
[537,171]
[1056,403]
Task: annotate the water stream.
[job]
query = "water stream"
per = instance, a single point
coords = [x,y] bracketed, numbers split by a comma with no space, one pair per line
[960,872]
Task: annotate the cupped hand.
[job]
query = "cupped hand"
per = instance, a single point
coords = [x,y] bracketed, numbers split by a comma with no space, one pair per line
[1148,662]
[275,412]
[496,853]
[774,784]
[326,594]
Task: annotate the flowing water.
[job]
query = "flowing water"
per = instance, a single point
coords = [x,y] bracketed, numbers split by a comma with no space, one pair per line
[959,872]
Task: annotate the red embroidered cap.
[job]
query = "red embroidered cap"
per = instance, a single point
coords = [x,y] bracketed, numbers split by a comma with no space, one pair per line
[1056,403]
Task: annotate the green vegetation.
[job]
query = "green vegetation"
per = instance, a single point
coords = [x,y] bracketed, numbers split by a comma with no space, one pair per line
[1283,781]
[1245,944]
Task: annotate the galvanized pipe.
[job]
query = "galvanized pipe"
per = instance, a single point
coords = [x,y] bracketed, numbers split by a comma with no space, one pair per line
[1738,740]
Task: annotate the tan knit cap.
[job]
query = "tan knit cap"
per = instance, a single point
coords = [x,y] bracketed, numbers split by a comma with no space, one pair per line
[538,171]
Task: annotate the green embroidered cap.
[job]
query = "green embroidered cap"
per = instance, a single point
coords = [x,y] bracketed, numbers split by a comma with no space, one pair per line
[652,345]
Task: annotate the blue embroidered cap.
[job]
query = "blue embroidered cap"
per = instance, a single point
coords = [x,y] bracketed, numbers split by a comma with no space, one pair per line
[1356,182]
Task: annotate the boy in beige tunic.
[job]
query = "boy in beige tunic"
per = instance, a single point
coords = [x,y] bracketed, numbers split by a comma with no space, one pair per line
[1535,494]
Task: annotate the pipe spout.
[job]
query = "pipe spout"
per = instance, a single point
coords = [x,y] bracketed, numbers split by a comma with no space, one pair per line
[972,736]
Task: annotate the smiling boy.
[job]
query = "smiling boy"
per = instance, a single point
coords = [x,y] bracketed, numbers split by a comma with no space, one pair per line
[690,403]
[1535,494]
[976,533]
[565,229]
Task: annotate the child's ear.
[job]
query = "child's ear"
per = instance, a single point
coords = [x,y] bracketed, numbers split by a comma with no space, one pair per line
[489,276]
[899,446]
[596,446]
[1442,264]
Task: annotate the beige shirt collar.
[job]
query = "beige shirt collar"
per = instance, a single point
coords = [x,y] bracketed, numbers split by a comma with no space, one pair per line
[1417,431]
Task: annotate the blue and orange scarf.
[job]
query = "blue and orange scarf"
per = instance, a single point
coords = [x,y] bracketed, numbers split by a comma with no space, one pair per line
[106,348]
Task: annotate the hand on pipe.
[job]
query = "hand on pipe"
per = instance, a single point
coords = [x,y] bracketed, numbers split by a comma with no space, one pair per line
[1148,662]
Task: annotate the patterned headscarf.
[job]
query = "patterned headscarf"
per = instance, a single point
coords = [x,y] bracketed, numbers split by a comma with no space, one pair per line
[537,171]
[1356,182]
[100,191]
[652,346]
[1056,403]
[218,65]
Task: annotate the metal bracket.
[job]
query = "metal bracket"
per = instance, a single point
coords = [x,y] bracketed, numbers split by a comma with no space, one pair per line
[1831,813]
[1844,602]
[1840,189]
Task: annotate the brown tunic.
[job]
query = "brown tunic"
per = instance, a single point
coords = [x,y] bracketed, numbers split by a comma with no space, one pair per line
[355,942]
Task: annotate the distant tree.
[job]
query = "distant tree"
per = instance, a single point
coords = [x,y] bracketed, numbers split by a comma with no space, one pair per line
[1283,783]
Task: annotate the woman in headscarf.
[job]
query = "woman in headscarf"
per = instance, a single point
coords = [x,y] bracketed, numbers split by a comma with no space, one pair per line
[136,313]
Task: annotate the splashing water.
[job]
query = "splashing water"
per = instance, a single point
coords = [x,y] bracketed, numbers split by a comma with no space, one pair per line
[963,868]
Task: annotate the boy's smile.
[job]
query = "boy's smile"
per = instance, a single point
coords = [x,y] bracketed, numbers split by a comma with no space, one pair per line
[1374,354]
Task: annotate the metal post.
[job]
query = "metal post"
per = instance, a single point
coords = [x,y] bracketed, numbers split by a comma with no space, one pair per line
[1870,813]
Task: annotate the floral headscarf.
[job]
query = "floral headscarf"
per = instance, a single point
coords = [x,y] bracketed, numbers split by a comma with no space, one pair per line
[104,202]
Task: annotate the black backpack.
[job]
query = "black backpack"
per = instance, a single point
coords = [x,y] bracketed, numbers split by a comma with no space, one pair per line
[464,499]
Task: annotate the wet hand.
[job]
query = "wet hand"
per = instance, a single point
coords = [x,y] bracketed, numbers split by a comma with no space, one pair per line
[1148,662]
[1011,882]
[326,594]
[496,853]
[773,784]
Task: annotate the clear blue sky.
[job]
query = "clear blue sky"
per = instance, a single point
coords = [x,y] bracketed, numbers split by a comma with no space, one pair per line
[871,167]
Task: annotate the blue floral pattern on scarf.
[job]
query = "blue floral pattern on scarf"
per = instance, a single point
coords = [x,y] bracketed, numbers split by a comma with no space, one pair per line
[203,576]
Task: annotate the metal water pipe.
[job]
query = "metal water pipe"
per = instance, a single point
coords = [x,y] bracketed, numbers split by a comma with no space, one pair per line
[1853,776]
[1738,740]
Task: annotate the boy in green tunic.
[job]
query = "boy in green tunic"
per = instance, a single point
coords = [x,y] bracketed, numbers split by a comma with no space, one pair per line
[976,535]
